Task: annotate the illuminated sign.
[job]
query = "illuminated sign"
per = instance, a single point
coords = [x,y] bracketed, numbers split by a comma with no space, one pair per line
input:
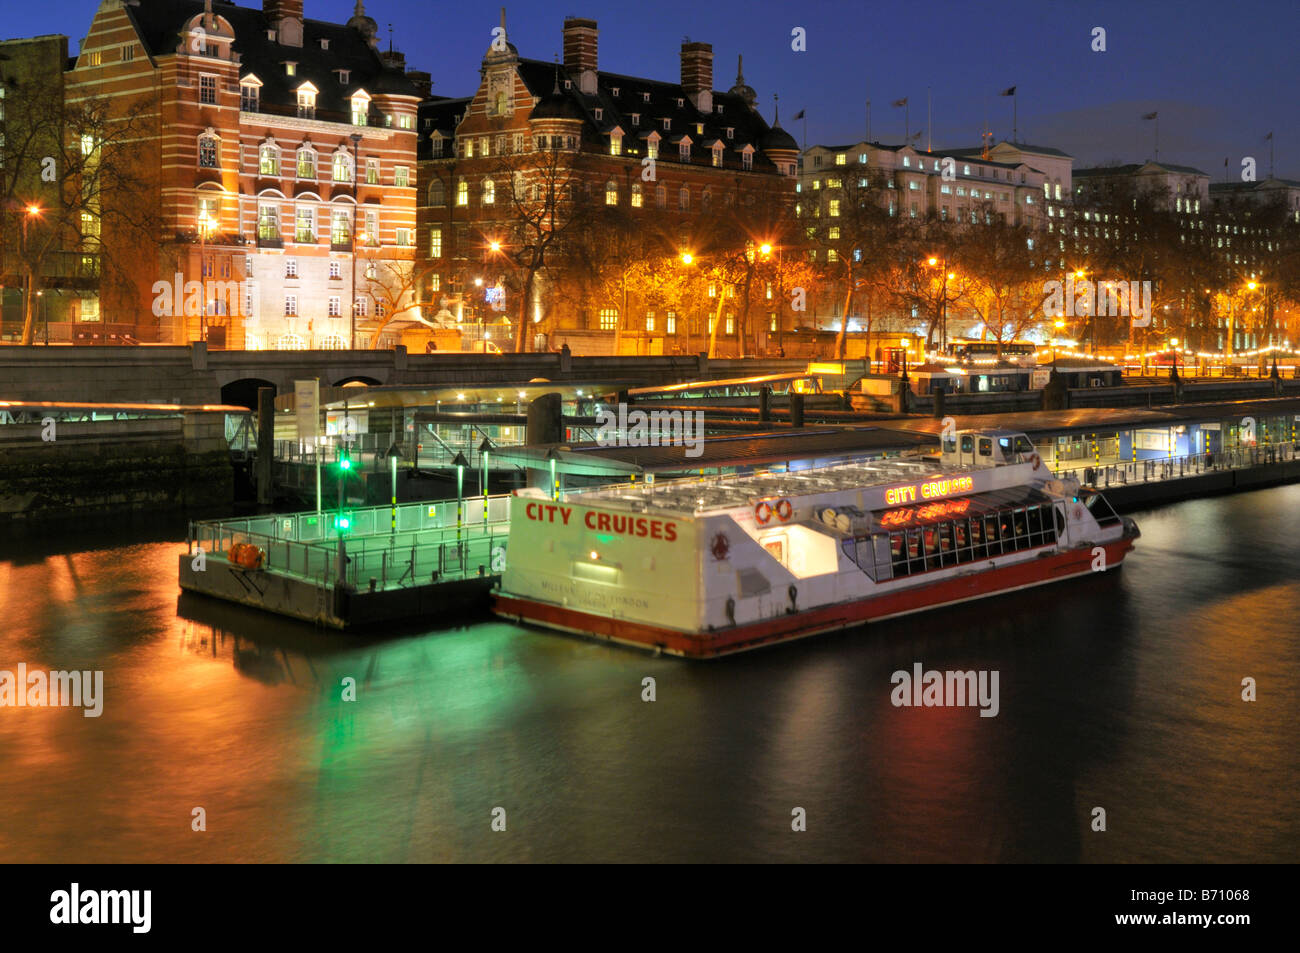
[928,491]
[924,514]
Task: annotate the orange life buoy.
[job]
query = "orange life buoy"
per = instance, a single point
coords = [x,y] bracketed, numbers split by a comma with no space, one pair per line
[784,510]
[1038,461]
[763,513]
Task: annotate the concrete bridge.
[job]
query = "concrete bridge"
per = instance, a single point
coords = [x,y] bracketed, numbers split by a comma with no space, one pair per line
[195,375]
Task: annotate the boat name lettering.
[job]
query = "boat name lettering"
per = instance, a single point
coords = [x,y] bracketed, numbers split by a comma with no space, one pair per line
[545,512]
[909,494]
[627,525]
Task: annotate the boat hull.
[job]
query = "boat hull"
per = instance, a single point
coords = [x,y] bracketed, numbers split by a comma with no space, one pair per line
[1057,566]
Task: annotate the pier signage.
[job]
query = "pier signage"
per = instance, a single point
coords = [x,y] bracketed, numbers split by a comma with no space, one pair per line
[306,399]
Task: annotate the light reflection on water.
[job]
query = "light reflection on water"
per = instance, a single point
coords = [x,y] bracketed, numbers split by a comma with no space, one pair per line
[1119,691]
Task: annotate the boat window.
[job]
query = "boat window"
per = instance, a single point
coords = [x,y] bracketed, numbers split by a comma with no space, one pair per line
[949,444]
[898,553]
[986,447]
[916,562]
[1060,520]
[1101,510]
[1024,445]
[967,444]
[960,534]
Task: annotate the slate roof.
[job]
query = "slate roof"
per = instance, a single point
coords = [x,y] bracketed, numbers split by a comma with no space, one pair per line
[749,127]
[1132,168]
[159,23]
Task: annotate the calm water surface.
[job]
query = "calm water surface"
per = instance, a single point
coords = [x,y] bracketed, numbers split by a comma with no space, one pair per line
[1120,691]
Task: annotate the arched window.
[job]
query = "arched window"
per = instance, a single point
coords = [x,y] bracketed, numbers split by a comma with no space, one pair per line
[342,167]
[661,197]
[636,194]
[289,342]
[333,342]
[489,192]
[462,191]
[437,194]
[706,200]
[684,199]
[611,192]
[501,102]
[268,162]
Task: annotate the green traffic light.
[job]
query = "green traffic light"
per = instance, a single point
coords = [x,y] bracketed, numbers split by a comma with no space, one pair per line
[345,464]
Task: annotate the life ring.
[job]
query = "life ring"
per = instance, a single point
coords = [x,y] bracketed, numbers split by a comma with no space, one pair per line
[1037,460]
[763,513]
[784,510]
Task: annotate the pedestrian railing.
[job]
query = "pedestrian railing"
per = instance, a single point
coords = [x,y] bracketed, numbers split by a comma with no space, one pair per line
[1174,468]
[424,545]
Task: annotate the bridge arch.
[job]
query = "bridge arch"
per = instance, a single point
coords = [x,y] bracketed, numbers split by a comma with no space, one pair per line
[243,392]
[357,380]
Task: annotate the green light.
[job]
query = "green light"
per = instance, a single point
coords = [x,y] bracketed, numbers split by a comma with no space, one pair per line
[345,464]
[342,523]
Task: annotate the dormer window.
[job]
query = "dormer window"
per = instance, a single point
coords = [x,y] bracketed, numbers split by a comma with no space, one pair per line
[731,133]
[684,150]
[645,97]
[270,35]
[719,108]
[598,113]
[360,109]
[324,43]
[249,97]
[616,143]
[652,146]
[613,91]
[717,155]
[681,103]
[568,84]
[307,101]
[290,69]
[668,125]
[636,119]
[345,76]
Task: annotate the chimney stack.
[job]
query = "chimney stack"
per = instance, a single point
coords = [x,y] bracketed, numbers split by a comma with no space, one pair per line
[422,81]
[580,51]
[697,74]
[285,17]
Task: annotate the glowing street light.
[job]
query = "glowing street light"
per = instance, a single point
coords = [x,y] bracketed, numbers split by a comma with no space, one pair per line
[765,248]
[687,258]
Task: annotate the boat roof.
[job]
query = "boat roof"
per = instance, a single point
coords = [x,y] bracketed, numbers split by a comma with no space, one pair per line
[689,497]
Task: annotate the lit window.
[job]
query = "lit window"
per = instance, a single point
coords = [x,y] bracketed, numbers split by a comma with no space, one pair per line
[401,177]
[670,322]
[207,152]
[435,243]
[360,110]
[615,144]
[208,90]
[462,192]
[611,192]
[717,156]
[372,172]
[268,223]
[342,167]
[306,104]
[834,210]
[608,319]
[636,194]
[840,158]
[341,228]
[404,237]
[489,192]
[305,229]
[371,236]
[649,321]
[306,164]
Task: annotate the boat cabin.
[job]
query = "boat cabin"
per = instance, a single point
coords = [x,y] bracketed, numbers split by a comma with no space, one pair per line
[985,448]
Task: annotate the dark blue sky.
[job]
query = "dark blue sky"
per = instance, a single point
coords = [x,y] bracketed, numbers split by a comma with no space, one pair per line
[1220,74]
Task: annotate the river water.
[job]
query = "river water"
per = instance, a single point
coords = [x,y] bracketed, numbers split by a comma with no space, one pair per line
[1120,691]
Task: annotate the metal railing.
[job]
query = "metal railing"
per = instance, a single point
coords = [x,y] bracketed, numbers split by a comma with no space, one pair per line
[1101,476]
[425,545]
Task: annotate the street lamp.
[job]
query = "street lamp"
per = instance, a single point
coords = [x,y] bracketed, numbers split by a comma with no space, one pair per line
[30,212]
[943,319]
[205,225]
[356,185]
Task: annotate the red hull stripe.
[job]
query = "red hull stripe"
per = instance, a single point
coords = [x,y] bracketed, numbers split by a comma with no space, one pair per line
[1020,575]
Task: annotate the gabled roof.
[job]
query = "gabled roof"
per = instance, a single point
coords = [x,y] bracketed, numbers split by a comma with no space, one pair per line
[159,24]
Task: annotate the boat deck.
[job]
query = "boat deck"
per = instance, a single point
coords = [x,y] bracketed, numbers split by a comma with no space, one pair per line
[690,497]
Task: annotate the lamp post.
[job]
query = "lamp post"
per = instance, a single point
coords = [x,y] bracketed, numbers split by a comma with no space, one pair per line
[356,185]
[485,450]
[345,464]
[460,463]
[205,223]
[30,212]
[394,454]
[934,262]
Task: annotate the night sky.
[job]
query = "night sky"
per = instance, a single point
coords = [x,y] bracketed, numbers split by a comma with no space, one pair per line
[1221,74]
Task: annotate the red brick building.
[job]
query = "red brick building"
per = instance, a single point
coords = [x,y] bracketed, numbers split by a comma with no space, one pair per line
[285,164]
[669,153]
